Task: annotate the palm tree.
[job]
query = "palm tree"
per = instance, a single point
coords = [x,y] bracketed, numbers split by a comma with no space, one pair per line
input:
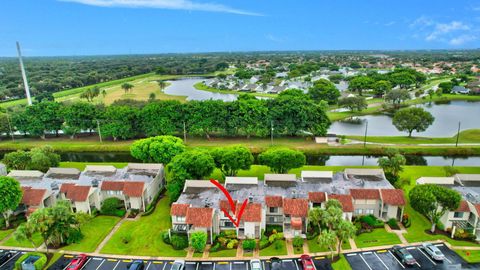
[151,97]
[126,87]
[104,93]
[162,84]
[328,239]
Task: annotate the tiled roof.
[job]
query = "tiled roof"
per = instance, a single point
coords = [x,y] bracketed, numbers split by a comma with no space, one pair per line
[133,189]
[179,209]
[317,197]
[477,207]
[365,194]
[345,200]
[225,205]
[199,217]
[463,207]
[252,212]
[112,185]
[295,207]
[273,201]
[65,187]
[33,196]
[76,193]
[393,196]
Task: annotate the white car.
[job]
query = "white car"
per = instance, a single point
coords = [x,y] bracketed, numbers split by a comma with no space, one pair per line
[255,264]
[178,265]
[433,251]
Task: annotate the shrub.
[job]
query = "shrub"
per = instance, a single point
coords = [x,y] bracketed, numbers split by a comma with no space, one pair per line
[372,221]
[39,264]
[406,221]
[179,242]
[74,236]
[312,235]
[272,238]
[126,238]
[198,241]
[113,207]
[393,224]
[440,226]
[233,243]
[215,247]
[166,238]
[223,241]
[297,242]
[229,234]
[249,244]
[271,229]
[263,243]
[461,234]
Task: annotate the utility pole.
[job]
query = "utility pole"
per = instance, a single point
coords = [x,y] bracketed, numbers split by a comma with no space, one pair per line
[365,137]
[24,75]
[99,131]
[271,132]
[458,133]
[184,132]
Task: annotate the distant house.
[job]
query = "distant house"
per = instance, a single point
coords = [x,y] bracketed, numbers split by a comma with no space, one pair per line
[460,90]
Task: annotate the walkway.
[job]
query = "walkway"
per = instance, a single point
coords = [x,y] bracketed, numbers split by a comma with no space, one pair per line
[112,232]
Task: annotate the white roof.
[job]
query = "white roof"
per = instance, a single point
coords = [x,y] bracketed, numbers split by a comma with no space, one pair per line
[100,168]
[144,166]
[467,177]
[436,180]
[280,177]
[321,140]
[25,173]
[56,170]
[241,180]
[364,171]
[317,174]
[199,184]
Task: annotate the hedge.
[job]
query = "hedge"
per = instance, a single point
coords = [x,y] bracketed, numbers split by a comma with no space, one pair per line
[39,264]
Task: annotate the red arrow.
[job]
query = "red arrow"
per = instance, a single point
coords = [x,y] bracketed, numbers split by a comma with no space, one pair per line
[236,220]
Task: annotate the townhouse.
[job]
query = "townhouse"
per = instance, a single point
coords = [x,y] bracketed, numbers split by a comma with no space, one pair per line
[467,215]
[136,185]
[283,200]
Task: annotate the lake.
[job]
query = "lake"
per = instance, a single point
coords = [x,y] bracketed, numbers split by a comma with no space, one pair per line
[446,121]
[184,87]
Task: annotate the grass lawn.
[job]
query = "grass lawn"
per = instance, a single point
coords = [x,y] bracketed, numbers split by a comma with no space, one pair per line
[81,165]
[314,247]
[54,258]
[197,255]
[272,251]
[143,236]
[94,232]
[298,250]
[471,256]
[378,237]
[341,264]
[5,233]
[202,86]
[224,253]
[11,242]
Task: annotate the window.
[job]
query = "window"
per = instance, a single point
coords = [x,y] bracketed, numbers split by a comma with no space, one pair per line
[358,211]
[273,210]
[369,211]
[458,215]
[180,219]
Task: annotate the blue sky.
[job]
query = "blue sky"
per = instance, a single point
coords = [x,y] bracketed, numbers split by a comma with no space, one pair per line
[86,27]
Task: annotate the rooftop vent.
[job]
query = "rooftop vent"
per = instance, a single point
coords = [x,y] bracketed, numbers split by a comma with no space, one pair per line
[54,186]
[95,183]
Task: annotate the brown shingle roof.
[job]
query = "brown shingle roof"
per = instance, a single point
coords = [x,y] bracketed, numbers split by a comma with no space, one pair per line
[179,209]
[295,207]
[64,187]
[393,196]
[365,194]
[199,217]
[33,196]
[463,207]
[225,205]
[133,189]
[477,207]
[345,200]
[274,201]
[317,197]
[76,193]
[252,212]
[112,185]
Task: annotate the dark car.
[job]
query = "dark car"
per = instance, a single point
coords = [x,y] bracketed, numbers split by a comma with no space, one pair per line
[78,262]
[404,256]
[275,263]
[136,265]
[5,256]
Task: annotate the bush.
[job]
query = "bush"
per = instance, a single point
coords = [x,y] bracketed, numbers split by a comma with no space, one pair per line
[179,242]
[297,242]
[74,236]
[126,238]
[393,224]
[249,244]
[229,234]
[440,226]
[406,221]
[461,234]
[215,247]
[198,241]
[113,207]
[233,243]
[223,241]
[271,229]
[372,221]
[166,238]
[39,264]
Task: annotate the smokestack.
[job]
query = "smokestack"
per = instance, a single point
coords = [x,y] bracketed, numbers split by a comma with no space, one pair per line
[24,75]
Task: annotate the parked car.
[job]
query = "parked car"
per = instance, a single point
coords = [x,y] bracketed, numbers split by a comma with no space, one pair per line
[404,255]
[433,251]
[136,265]
[178,265]
[275,263]
[255,264]
[307,262]
[5,256]
[78,262]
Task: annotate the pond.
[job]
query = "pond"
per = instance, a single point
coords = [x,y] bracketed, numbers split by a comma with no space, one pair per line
[446,121]
[184,87]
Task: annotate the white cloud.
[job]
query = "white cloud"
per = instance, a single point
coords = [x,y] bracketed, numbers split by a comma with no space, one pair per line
[390,23]
[165,4]
[441,29]
[460,40]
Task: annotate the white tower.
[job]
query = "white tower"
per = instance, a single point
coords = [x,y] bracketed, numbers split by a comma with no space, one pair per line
[24,75]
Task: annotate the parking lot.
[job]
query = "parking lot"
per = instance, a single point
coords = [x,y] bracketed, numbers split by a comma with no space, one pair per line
[385,259]
[98,263]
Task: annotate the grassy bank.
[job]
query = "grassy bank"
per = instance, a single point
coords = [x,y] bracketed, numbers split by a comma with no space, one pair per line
[202,86]
[307,145]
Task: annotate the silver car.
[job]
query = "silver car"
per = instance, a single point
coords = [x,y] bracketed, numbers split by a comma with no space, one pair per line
[255,264]
[178,265]
[433,251]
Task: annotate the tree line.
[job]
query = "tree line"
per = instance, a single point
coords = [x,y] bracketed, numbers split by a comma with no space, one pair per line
[291,113]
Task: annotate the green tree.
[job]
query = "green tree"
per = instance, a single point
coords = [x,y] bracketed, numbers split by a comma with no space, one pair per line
[434,201]
[382,87]
[162,84]
[231,159]
[248,115]
[344,230]
[157,149]
[161,117]
[42,158]
[328,239]
[194,164]
[18,160]
[281,160]
[127,87]
[402,79]
[90,93]
[205,117]
[397,96]
[410,119]
[152,97]
[353,103]
[43,117]
[393,163]
[120,122]
[79,116]
[360,84]
[324,90]
[198,241]
[10,197]
[446,87]
[25,232]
